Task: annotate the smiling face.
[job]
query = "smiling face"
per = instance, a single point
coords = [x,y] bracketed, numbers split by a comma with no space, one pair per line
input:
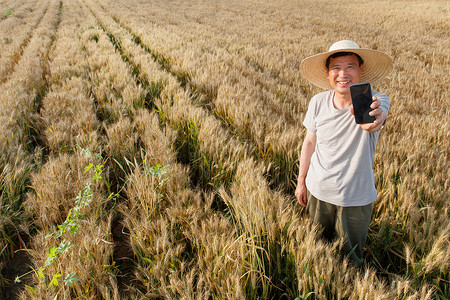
[344,71]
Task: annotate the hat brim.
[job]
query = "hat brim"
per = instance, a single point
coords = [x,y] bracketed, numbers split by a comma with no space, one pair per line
[376,65]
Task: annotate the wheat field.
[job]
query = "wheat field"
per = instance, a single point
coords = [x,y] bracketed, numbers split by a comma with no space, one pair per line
[149,149]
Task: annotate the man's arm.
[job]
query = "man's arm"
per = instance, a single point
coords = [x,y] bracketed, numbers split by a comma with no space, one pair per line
[308,148]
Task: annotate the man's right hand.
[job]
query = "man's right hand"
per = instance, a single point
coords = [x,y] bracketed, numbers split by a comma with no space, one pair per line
[300,194]
[308,148]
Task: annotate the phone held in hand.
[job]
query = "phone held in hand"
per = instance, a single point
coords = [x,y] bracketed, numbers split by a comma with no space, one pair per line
[362,99]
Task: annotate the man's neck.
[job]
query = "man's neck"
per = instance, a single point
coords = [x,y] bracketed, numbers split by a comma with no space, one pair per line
[341,101]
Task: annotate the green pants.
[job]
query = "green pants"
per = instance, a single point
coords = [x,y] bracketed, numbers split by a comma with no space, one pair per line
[351,223]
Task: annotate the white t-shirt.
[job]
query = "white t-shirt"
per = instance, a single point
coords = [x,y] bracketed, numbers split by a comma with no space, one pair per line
[340,171]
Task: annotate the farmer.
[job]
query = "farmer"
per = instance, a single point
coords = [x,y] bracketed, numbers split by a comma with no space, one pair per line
[335,180]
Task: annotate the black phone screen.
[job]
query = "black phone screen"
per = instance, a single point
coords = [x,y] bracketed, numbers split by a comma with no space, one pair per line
[362,99]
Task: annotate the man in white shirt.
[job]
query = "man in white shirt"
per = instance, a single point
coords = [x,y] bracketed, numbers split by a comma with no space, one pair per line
[336,181]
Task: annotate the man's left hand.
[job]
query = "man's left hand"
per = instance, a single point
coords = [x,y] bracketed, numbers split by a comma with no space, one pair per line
[380,117]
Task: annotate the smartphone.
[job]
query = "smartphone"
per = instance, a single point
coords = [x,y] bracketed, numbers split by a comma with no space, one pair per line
[362,99]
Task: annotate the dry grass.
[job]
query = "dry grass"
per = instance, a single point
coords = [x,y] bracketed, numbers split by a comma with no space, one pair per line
[16,32]
[192,112]
[23,85]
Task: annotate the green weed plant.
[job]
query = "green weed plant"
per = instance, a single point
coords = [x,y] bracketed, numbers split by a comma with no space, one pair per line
[70,225]
[7,12]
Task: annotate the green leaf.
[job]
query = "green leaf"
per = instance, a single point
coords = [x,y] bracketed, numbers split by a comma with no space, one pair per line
[41,272]
[88,167]
[55,280]
[63,247]
[8,12]
[147,260]
[96,177]
[99,168]
[70,279]
[52,251]
[52,255]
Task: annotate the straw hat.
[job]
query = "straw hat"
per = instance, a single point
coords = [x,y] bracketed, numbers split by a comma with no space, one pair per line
[376,64]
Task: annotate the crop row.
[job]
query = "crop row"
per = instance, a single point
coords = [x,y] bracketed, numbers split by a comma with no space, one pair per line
[16,32]
[21,134]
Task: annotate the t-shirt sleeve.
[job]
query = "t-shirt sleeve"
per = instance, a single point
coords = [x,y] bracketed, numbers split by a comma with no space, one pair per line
[309,121]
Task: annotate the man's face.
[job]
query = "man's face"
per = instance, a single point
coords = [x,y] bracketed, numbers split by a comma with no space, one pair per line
[344,71]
